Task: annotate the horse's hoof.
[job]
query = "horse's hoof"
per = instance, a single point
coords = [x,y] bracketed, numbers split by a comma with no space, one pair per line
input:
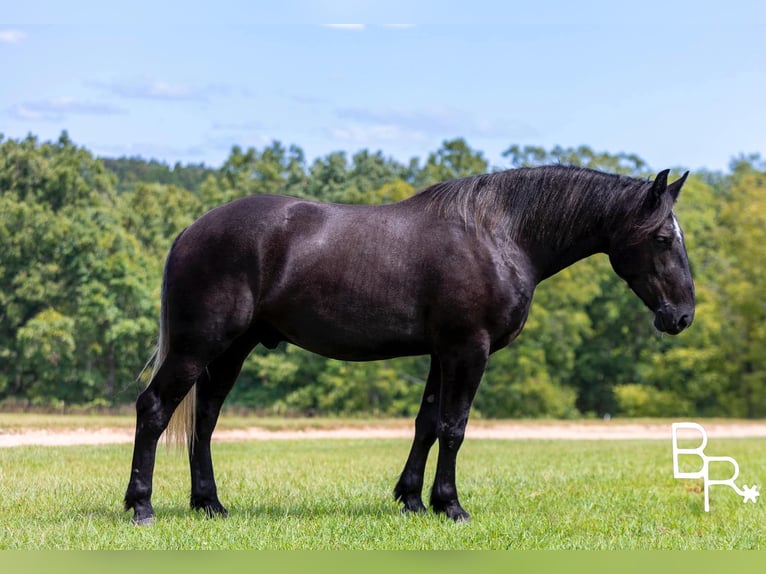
[461,516]
[211,509]
[215,511]
[145,521]
[413,507]
[455,512]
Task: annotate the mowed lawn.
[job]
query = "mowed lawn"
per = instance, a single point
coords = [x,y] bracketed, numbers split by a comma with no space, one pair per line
[336,494]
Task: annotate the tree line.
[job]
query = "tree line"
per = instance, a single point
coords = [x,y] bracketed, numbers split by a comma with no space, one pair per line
[84,241]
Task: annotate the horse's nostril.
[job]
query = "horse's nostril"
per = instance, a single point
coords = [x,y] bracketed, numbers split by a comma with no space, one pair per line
[683,322]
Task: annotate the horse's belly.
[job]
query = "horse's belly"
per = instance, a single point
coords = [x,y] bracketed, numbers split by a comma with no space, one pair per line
[352,333]
[354,351]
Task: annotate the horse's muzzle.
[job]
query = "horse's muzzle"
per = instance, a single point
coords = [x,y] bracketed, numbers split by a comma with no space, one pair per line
[671,320]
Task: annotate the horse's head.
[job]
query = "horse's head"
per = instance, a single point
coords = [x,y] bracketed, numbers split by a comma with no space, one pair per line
[653,260]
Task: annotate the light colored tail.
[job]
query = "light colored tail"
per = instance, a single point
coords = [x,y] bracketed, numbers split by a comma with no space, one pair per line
[180,429]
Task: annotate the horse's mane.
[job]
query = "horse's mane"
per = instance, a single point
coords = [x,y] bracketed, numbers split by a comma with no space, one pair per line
[551,202]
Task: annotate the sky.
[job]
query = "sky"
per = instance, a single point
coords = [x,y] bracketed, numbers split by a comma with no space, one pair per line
[681,84]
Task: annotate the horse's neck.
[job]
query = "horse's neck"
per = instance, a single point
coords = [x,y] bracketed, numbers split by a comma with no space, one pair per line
[557,243]
[548,261]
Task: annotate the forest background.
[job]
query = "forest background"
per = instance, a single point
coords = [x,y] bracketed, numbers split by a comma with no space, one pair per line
[84,241]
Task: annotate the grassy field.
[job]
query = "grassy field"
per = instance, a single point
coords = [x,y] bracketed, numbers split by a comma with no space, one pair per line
[336,494]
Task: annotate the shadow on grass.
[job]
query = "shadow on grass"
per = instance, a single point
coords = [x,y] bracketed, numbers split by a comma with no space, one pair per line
[306,509]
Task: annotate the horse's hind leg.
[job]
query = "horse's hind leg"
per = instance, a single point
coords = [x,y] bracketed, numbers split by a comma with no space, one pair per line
[212,388]
[153,410]
[410,486]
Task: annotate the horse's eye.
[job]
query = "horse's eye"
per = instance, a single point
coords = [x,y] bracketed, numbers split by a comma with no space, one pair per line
[663,239]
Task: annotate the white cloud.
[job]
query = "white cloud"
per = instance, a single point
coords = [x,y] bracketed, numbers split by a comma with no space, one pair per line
[354,27]
[12,36]
[155,90]
[56,109]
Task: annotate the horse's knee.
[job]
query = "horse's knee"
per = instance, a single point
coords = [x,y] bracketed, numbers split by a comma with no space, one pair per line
[451,434]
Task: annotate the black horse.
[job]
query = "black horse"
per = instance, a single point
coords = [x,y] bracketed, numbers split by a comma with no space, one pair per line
[449,272]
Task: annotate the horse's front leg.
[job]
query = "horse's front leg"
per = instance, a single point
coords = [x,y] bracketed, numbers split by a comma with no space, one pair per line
[461,373]
[410,486]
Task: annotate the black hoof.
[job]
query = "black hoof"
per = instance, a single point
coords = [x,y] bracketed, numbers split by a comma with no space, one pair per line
[453,511]
[212,509]
[410,499]
[145,521]
[215,512]
[413,506]
[459,515]
[143,513]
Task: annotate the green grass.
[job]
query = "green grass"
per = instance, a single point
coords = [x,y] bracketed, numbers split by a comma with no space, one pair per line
[336,494]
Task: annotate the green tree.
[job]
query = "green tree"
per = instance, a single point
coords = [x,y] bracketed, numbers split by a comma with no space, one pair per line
[582,156]
[30,273]
[742,295]
[74,285]
[131,171]
[55,174]
[454,159]
[274,169]
[155,214]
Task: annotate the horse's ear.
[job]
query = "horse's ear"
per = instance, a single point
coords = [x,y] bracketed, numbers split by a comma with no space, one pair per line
[675,188]
[659,186]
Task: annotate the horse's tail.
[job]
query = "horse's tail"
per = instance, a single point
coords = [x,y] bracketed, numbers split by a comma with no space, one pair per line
[180,429]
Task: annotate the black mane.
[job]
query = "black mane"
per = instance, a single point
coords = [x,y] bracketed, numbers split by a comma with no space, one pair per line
[551,202]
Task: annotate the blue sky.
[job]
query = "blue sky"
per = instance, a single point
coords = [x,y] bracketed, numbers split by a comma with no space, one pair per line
[682,84]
